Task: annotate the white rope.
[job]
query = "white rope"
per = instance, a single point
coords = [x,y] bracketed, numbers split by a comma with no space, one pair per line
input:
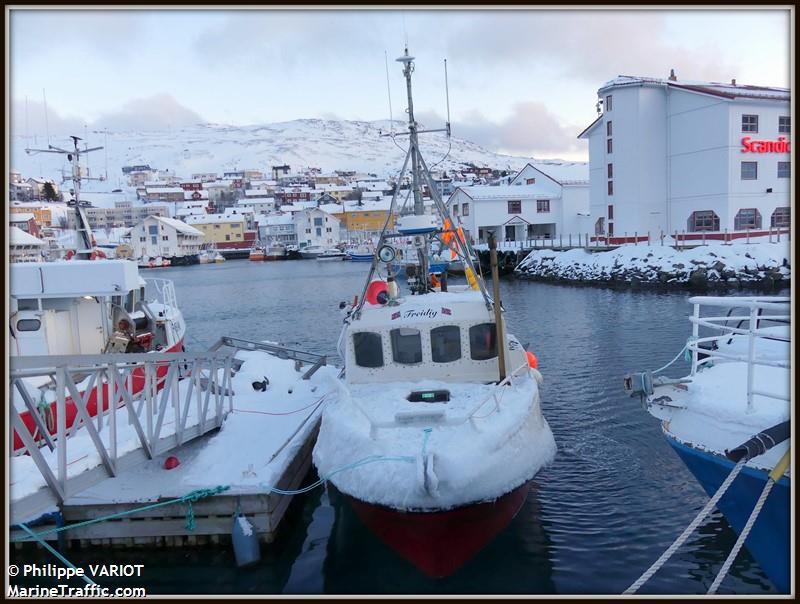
[688,531]
[742,536]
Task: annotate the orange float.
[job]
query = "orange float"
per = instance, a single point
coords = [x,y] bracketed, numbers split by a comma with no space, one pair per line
[532,361]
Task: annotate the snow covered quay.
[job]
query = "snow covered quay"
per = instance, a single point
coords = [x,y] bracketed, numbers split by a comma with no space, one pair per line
[715,265]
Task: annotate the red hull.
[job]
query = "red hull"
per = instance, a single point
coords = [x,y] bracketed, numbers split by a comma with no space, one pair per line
[137,383]
[439,543]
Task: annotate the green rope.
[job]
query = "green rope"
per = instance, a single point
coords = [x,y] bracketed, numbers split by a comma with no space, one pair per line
[53,551]
[188,498]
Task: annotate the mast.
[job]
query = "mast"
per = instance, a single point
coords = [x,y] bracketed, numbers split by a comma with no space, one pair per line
[408,69]
[85,240]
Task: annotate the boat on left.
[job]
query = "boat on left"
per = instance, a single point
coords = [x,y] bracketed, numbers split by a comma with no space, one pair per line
[87,304]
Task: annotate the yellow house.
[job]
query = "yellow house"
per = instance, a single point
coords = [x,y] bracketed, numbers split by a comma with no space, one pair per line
[365,220]
[43,216]
[224,231]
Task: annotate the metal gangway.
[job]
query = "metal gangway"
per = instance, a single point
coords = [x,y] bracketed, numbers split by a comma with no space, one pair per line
[124,408]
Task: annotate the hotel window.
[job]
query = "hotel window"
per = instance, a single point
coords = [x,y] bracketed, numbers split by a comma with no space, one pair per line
[608,128]
[465,209]
[610,187]
[515,207]
[785,124]
[611,170]
[610,229]
[749,218]
[781,217]
[530,181]
[783,169]
[704,220]
[611,212]
[542,206]
[600,226]
[608,103]
[609,146]
[749,123]
[749,170]
[455,209]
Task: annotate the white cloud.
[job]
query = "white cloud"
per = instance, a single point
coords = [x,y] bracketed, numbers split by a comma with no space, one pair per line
[157,112]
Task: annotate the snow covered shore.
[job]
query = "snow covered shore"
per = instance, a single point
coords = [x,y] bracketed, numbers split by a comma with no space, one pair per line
[716,265]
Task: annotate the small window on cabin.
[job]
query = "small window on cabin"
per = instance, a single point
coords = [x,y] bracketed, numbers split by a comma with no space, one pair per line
[368,349]
[406,345]
[28,325]
[482,341]
[446,344]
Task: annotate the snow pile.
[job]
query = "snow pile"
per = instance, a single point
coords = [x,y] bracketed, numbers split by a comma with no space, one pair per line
[465,462]
[761,264]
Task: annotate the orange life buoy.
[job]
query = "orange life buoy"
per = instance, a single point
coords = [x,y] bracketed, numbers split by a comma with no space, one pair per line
[532,361]
[69,254]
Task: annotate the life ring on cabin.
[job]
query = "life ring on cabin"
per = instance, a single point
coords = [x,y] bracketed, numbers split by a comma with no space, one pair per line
[533,362]
[69,254]
[97,254]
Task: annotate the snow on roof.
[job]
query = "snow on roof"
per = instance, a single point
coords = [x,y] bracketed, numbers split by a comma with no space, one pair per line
[727,90]
[505,192]
[19,237]
[179,225]
[214,218]
[273,219]
[258,193]
[20,217]
[164,190]
[193,195]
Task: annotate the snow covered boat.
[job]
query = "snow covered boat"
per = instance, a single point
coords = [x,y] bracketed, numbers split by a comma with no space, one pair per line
[84,305]
[435,430]
[733,406]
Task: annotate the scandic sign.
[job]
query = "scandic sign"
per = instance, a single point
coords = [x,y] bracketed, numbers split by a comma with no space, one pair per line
[779,146]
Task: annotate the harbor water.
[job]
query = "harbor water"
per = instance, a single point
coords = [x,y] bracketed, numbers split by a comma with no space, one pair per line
[614,499]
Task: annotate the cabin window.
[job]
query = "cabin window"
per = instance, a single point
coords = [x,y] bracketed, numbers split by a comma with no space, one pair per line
[406,345]
[483,341]
[368,349]
[28,325]
[445,344]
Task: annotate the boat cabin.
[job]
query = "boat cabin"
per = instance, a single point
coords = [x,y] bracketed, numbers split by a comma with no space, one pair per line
[447,336]
[82,307]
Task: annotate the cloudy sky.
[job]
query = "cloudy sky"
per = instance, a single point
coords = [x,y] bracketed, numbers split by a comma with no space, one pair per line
[521,82]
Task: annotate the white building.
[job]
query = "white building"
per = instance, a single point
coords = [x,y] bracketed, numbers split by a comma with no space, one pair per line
[534,205]
[258,200]
[157,236]
[671,155]
[23,247]
[276,228]
[315,227]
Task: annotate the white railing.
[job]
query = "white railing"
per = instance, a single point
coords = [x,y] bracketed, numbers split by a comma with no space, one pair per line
[162,399]
[164,291]
[753,313]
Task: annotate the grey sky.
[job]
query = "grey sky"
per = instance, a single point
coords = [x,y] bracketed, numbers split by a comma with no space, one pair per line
[521,82]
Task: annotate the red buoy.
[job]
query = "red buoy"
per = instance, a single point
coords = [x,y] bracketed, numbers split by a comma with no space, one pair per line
[171,462]
[375,288]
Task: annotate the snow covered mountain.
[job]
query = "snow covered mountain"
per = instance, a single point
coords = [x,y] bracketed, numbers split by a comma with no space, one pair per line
[325,144]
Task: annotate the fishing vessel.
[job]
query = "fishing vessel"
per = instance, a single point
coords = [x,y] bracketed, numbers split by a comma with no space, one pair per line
[85,304]
[148,262]
[258,253]
[361,253]
[436,430]
[276,251]
[734,408]
[210,255]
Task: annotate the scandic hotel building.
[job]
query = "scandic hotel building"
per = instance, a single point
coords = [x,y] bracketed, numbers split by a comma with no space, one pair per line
[700,157]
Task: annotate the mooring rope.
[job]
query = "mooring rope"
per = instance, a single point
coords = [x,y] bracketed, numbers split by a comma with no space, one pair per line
[688,531]
[53,551]
[774,477]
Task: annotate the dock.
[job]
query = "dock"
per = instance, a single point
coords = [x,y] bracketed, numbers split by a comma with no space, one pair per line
[261,440]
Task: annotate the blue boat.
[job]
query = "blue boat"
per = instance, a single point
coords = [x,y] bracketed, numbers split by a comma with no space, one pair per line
[735,404]
[768,541]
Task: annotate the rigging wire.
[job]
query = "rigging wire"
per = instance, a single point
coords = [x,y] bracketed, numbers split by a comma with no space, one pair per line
[389,92]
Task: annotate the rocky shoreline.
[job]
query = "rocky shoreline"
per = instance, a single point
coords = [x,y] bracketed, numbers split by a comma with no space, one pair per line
[758,266]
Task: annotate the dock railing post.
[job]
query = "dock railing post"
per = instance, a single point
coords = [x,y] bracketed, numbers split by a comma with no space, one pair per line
[111,373]
[748,235]
[695,335]
[61,429]
[778,230]
[662,237]
[636,238]
[649,243]
[570,240]
[751,348]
